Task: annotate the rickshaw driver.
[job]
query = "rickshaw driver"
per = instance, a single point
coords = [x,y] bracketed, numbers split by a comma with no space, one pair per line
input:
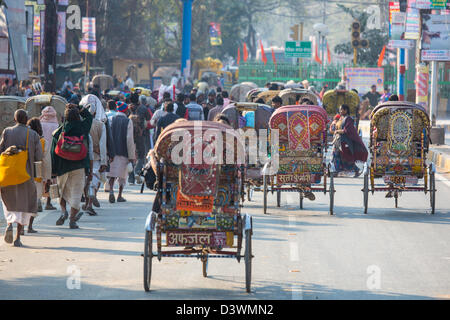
[277,102]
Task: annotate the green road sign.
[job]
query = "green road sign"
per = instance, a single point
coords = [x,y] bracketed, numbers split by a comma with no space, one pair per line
[298,49]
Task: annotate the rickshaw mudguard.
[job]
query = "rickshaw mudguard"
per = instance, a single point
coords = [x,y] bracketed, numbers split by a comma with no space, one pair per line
[150,222]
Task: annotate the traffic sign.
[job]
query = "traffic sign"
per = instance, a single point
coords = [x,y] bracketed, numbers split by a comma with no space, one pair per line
[298,49]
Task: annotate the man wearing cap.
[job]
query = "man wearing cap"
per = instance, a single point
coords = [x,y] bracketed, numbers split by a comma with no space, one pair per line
[122,133]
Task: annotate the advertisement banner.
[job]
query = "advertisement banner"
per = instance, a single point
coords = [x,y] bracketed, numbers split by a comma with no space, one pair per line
[435,37]
[215,34]
[37,31]
[16,21]
[429,4]
[401,44]
[398,25]
[435,55]
[88,47]
[362,79]
[61,44]
[412,31]
[42,14]
[88,29]
[393,7]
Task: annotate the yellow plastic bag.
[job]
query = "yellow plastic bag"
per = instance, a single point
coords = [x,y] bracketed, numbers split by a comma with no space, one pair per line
[13,168]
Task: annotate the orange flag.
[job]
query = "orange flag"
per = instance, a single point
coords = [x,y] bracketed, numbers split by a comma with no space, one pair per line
[263,54]
[317,58]
[328,53]
[239,56]
[381,57]
[273,58]
[245,53]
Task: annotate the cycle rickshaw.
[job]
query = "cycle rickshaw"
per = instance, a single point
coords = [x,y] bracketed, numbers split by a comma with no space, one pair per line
[200,214]
[399,142]
[257,117]
[302,154]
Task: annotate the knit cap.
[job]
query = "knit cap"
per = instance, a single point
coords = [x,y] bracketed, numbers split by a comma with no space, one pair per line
[122,106]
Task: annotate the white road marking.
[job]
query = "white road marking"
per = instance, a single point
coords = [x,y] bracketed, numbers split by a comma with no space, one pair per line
[294,256]
[292,220]
[297,293]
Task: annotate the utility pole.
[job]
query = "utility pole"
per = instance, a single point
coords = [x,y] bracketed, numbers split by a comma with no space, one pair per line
[50,31]
[186,41]
[86,57]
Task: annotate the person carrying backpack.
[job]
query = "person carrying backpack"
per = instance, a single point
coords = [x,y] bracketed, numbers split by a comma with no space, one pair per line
[70,159]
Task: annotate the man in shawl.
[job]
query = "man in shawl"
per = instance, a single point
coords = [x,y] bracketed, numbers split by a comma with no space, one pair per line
[19,201]
[49,123]
[100,157]
[125,150]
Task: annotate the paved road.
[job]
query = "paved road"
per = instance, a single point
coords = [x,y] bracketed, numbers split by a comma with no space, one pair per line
[390,253]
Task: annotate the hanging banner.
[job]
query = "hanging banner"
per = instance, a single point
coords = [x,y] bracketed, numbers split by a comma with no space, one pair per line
[42,15]
[412,31]
[61,44]
[17,32]
[37,31]
[215,34]
[393,7]
[88,29]
[63,2]
[88,47]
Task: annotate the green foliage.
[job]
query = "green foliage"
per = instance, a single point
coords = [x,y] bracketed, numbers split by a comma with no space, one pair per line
[377,39]
[137,28]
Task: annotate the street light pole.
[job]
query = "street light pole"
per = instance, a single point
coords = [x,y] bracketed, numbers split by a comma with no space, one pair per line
[186,41]
[86,61]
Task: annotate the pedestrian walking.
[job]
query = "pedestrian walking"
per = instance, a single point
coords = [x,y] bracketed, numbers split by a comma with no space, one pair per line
[46,168]
[195,111]
[210,103]
[19,201]
[125,150]
[98,135]
[70,159]
[166,120]
[49,123]
[217,109]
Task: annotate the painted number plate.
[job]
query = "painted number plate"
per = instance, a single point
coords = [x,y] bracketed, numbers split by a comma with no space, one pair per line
[216,239]
[401,179]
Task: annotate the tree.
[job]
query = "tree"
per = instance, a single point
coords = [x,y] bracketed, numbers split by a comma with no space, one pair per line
[377,39]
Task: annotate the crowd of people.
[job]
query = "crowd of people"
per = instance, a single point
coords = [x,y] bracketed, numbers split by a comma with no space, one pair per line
[105,140]
[101,140]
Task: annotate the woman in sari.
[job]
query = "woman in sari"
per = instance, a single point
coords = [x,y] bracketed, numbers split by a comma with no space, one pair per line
[348,146]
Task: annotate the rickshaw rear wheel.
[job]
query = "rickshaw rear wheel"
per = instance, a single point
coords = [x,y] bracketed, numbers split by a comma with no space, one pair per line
[432,190]
[265,193]
[366,192]
[396,199]
[331,194]
[278,198]
[301,199]
[148,255]
[248,259]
